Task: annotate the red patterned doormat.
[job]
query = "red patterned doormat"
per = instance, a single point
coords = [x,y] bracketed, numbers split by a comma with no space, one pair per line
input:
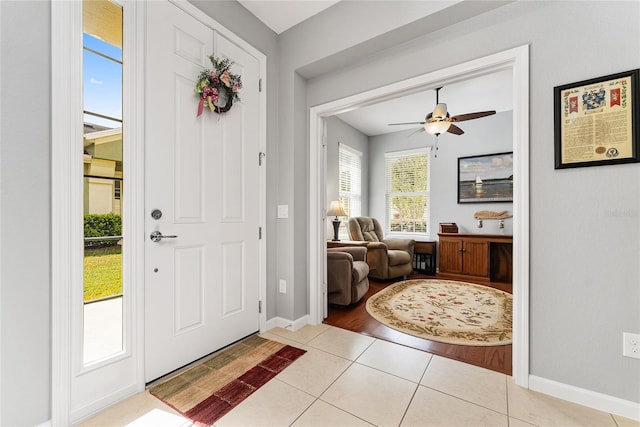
[211,389]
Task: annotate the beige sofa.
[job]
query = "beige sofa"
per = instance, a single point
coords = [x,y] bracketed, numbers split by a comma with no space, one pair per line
[387,258]
[347,272]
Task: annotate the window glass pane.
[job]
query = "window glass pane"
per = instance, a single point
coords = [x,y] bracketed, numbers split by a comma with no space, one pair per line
[94,43]
[104,190]
[102,87]
[94,123]
[350,185]
[408,192]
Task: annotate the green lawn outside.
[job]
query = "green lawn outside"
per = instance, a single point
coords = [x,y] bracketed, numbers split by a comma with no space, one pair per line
[102,272]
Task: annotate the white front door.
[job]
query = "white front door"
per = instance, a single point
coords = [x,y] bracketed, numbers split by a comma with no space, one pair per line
[202,173]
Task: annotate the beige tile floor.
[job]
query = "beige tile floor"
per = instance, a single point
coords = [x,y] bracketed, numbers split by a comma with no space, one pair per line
[348,379]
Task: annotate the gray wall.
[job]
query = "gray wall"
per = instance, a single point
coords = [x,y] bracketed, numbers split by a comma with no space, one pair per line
[25,206]
[583,221]
[488,135]
[341,132]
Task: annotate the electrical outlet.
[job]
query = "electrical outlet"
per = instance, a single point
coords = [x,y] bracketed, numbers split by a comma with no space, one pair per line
[631,346]
[283,286]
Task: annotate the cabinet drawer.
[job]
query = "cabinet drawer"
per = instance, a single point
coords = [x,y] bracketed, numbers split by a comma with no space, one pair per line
[424,247]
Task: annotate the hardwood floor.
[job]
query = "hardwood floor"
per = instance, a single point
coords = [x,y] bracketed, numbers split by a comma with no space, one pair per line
[355,318]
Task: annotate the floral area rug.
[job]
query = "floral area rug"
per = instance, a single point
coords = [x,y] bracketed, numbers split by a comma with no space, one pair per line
[446,311]
[209,390]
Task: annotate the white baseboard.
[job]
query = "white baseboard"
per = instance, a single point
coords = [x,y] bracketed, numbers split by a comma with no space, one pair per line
[46,424]
[591,399]
[299,323]
[82,414]
[278,322]
[292,325]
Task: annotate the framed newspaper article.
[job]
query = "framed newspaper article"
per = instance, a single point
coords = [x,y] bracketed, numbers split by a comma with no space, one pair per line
[596,121]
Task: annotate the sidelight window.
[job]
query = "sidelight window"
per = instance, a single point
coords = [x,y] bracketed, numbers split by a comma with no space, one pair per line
[103,295]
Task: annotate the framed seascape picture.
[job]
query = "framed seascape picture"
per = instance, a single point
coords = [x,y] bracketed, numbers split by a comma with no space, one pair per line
[485,178]
[596,121]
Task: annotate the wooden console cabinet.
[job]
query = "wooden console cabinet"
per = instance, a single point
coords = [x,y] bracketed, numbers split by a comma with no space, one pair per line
[477,256]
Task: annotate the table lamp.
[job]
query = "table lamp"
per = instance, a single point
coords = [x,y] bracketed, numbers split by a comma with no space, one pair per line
[336,210]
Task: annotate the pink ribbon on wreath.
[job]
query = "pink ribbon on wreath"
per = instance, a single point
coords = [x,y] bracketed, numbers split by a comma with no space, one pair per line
[200,106]
[211,95]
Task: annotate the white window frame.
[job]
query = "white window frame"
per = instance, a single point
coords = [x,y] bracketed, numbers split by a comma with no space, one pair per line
[125,371]
[388,194]
[354,207]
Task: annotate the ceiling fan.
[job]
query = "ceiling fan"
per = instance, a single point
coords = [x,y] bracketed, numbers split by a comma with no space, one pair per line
[439,121]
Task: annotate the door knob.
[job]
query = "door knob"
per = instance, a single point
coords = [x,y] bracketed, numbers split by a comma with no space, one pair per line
[156,236]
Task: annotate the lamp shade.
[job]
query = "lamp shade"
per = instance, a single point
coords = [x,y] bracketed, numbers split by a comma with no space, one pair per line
[335,209]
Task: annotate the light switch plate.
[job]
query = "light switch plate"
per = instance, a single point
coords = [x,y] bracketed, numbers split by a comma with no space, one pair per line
[283,211]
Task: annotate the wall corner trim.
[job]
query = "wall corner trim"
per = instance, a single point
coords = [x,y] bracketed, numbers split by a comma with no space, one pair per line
[291,325]
[581,396]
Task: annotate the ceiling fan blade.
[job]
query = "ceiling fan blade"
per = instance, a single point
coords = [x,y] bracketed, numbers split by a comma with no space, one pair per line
[471,116]
[455,130]
[418,130]
[408,123]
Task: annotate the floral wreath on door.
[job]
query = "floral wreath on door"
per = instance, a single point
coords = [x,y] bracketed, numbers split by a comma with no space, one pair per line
[218,88]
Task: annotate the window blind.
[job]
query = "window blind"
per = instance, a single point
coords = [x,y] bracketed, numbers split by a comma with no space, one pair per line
[407,191]
[350,184]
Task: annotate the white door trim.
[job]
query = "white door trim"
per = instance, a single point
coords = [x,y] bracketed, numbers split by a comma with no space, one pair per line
[66,115]
[66,191]
[135,27]
[516,59]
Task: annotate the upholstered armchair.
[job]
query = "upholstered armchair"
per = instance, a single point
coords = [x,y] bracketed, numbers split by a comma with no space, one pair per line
[347,272]
[387,258]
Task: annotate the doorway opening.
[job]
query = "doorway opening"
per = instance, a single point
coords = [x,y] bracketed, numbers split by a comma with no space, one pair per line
[515,60]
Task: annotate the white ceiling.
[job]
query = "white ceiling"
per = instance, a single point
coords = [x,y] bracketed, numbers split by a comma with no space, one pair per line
[489,92]
[281,15]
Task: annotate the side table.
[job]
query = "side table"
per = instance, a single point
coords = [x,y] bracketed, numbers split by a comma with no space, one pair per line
[424,257]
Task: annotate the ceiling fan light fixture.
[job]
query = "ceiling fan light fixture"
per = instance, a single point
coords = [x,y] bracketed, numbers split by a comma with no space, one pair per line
[436,127]
[439,121]
[440,111]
